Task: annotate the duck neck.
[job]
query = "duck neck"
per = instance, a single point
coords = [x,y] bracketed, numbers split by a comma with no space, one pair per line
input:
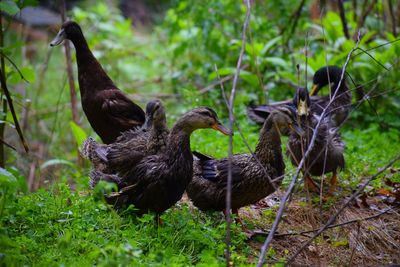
[91,75]
[268,150]
[179,143]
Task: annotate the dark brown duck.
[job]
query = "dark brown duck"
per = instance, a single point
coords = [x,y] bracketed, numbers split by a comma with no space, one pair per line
[131,146]
[108,110]
[250,173]
[158,181]
[326,155]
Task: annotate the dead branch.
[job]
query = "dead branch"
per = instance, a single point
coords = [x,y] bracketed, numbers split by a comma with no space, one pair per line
[392,17]
[300,166]
[72,89]
[330,226]
[348,201]
[365,14]
[231,123]
[343,19]
[12,110]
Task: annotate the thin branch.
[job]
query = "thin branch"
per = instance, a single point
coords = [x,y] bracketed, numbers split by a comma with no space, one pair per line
[392,17]
[231,123]
[12,110]
[330,226]
[365,14]
[7,144]
[15,66]
[278,218]
[343,19]
[348,201]
[72,89]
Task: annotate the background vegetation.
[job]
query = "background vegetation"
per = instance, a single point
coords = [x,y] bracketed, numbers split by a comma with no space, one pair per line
[47,214]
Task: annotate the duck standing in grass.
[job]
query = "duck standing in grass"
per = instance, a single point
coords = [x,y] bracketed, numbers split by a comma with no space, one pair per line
[251,174]
[326,156]
[158,181]
[108,110]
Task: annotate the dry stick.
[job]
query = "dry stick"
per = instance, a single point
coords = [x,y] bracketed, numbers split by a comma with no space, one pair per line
[364,16]
[231,123]
[72,89]
[392,17]
[12,110]
[354,249]
[348,201]
[343,19]
[333,225]
[294,179]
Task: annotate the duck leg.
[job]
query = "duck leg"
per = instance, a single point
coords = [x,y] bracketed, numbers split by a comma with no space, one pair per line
[309,183]
[332,187]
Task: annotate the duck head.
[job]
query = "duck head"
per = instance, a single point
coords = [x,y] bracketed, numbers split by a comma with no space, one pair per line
[301,101]
[324,76]
[69,30]
[285,117]
[202,118]
[155,114]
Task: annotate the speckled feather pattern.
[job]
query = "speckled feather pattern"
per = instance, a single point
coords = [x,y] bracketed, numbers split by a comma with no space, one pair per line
[327,153]
[249,180]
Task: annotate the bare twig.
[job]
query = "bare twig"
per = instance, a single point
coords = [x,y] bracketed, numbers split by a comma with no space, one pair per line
[281,209]
[330,226]
[343,19]
[231,123]
[365,14]
[348,201]
[72,89]
[392,17]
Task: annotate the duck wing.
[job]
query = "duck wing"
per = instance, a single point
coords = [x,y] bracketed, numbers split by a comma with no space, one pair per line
[120,108]
[216,170]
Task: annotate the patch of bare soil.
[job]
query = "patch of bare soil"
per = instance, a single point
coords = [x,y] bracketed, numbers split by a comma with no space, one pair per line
[369,236]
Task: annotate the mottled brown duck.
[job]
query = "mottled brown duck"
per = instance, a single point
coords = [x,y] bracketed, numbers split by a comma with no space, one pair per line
[250,173]
[338,110]
[131,146]
[108,110]
[326,155]
[158,181]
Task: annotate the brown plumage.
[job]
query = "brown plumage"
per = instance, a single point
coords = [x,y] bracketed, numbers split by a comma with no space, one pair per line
[131,146]
[337,111]
[108,110]
[249,173]
[327,153]
[158,181]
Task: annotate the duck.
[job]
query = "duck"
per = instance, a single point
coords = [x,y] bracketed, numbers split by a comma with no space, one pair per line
[338,110]
[251,173]
[108,110]
[132,145]
[158,181]
[327,155]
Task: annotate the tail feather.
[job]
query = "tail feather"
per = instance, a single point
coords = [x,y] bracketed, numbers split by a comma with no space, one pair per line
[258,114]
[93,151]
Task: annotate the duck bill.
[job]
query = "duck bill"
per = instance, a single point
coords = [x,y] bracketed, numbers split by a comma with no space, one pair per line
[302,108]
[314,89]
[221,128]
[296,128]
[60,37]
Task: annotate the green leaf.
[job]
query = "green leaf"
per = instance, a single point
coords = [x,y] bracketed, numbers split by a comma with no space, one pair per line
[6,178]
[277,61]
[271,43]
[78,132]
[9,7]
[54,162]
